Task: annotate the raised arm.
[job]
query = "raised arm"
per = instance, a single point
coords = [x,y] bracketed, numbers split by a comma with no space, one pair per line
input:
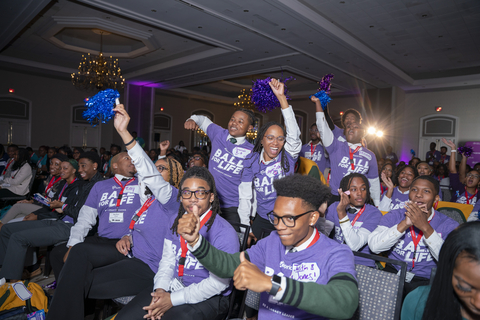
[453,155]
[196,121]
[324,129]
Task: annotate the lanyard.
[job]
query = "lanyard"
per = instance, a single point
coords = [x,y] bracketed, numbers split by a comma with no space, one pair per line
[416,240]
[351,155]
[51,183]
[473,195]
[120,195]
[312,149]
[328,177]
[40,161]
[8,165]
[183,245]
[64,187]
[105,166]
[144,208]
[315,239]
[359,213]
[383,188]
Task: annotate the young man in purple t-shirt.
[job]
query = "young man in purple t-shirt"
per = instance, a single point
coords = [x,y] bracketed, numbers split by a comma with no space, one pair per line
[229,150]
[415,233]
[314,150]
[294,258]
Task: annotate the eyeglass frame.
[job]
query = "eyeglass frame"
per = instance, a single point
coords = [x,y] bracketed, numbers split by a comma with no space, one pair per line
[475,176]
[161,168]
[271,137]
[295,218]
[195,192]
[197,158]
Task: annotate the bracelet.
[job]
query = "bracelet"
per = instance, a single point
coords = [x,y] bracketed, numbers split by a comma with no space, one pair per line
[453,150]
[127,144]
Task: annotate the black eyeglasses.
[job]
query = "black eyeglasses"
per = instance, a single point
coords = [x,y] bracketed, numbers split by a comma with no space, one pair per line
[199,194]
[161,168]
[197,158]
[288,221]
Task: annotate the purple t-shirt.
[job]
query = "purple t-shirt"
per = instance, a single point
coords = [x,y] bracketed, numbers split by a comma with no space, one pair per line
[435,156]
[226,164]
[318,263]
[151,229]
[318,155]
[458,191]
[221,235]
[369,220]
[398,199]
[444,158]
[364,160]
[404,248]
[113,222]
[263,176]
[338,132]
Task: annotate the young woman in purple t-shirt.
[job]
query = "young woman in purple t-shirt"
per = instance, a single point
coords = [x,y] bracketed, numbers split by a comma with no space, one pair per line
[395,197]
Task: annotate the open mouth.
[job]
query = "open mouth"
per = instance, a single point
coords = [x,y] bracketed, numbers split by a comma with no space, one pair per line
[274,151]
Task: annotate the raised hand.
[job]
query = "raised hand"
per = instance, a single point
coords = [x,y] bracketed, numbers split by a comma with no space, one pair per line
[248,276]
[121,119]
[164,145]
[449,143]
[342,205]
[278,87]
[388,182]
[191,125]
[189,226]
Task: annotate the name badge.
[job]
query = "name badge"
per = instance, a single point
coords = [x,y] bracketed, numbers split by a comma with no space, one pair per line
[357,225]
[115,217]
[176,285]
[51,194]
[308,155]
[241,152]
[131,189]
[408,277]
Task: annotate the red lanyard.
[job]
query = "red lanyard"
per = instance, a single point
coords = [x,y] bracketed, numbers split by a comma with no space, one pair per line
[328,177]
[473,195]
[183,245]
[63,189]
[416,240]
[40,160]
[51,183]
[359,213]
[8,165]
[105,166]
[120,195]
[312,149]
[383,188]
[144,208]
[351,155]
[315,239]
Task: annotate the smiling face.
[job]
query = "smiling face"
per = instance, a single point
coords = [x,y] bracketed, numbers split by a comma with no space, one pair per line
[273,142]
[405,178]
[196,161]
[304,226]
[67,171]
[11,152]
[87,168]
[354,133]
[466,284]
[423,193]
[162,167]
[388,170]
[194,184]
[424,169]
[314,135]
[55,167]
[239,124]
[358,192]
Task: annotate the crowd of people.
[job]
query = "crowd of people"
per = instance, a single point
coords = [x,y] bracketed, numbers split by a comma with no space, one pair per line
[165,225]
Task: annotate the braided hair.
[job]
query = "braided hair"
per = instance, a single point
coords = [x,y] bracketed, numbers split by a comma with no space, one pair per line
[347,181]
[175,171]
[205,175]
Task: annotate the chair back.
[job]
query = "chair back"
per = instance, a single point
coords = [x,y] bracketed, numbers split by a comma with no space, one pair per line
[457,211]
[380,291]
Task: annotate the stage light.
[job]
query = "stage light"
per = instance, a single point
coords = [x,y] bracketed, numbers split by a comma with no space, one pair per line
[379,134]
[341,113]
[371,130]
[11,90]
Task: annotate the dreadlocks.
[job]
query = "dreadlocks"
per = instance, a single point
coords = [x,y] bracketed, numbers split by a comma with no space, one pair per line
[175,171]
[347,180]
[205,175]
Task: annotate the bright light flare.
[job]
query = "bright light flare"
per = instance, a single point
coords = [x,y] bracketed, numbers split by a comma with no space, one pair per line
[379,134]
[371,130]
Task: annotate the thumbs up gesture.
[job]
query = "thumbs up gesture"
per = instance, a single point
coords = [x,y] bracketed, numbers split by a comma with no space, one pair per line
[189,226]
[248,276]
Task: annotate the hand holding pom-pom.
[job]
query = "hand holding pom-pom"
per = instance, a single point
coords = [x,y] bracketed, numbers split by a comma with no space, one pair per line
[323,93]
[412,152]
[100,106]
[264,97]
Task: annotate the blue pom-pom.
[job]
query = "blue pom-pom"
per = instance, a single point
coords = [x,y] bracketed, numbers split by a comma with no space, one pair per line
[412,152]
[100,107]
[323,97]
[263,96]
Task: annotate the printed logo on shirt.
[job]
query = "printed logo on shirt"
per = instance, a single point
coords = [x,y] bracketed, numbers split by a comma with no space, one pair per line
[341,139]
[241,152]
[274,170]
[463,199]
[365,154]
[407,248]
[191,262]
[395,206]
[110,199]
[266,186]
[131,189]
[227,162]
[361,165]
[317,156]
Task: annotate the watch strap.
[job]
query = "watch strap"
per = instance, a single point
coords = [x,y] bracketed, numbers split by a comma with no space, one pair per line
[276,283]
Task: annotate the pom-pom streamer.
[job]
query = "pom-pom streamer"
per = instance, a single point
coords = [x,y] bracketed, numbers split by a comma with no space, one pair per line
[466,151]
[323,97]
[412,152]
[100,107]
[263,96]
[323,93]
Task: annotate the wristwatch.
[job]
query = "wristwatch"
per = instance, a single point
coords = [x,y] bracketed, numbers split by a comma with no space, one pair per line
[276,283]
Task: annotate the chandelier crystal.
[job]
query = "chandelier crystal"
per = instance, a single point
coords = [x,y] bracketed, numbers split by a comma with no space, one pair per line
[98,72]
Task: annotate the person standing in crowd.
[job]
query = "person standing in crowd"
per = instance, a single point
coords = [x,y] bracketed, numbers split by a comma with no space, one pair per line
[347,154]
[314,150]
[390,155]
[229,150]
[180,147]
[354,217]
[444,158]
[396,196]
[414,234]
[16,181]
[3,158]
[114,150]
[274,156]
[139,140]
[432,155]
[453,293]
[299,272]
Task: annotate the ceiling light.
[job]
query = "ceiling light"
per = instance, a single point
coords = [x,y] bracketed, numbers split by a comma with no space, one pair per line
[438,109]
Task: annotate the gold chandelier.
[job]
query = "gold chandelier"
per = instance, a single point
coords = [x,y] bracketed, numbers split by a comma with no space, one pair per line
[98,72]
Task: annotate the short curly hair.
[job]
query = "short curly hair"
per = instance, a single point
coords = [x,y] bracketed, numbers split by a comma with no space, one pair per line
[312,192]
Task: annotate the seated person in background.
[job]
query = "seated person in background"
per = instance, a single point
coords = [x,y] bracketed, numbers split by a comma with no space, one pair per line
[152,154]
[444,158]
[424,169]
[106,161]
[380,164]
[354,216]
[65,150]
[414,161]
[464,185]
[395,197]
[415,233]
[16,181]
[347,154]
[390,155]
[388,169]
[454,291]
[3,158]
[299,272]
[198,159]
[114,150]
[24,208]
[314,150]
[11,150]
[16,238]
[432,155]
